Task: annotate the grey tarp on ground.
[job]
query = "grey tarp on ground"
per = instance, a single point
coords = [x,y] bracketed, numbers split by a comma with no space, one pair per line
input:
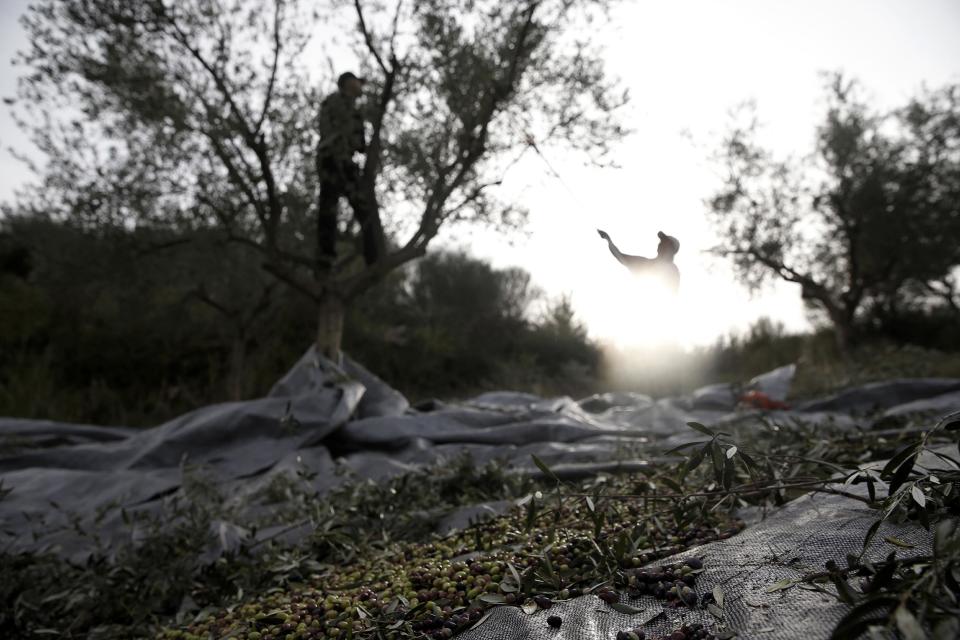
[882,395]
[347,423]
[795,540]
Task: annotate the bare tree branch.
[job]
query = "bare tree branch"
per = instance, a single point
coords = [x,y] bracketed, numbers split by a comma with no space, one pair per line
[306,288]
[476,146]
[273,69]
[219,81]
[357,284]
[254,140]
[163,246]
[200,293]
[472,197]
[368,38]
[393,33]
[237,178]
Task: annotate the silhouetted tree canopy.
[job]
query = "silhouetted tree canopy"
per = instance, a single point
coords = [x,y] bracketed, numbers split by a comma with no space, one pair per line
[869,219]
[200,114]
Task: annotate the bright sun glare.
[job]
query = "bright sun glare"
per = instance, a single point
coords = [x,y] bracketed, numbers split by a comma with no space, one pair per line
[641,311]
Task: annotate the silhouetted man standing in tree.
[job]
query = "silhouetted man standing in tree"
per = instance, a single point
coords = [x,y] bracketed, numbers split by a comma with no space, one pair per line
[342,135]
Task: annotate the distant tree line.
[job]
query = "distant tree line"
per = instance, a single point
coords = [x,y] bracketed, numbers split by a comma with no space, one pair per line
[121,326]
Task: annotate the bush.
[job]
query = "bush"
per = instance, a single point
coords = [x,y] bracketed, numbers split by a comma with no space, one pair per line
[135,327]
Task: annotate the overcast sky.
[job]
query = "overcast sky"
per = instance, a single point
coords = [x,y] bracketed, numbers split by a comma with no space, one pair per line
[686,64]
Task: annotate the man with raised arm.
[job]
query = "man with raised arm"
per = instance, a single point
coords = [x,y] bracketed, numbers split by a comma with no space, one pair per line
[662,266]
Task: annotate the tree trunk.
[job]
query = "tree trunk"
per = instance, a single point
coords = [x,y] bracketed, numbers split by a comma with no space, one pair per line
[238,356]
[840,317]
[330,327]
[842,331]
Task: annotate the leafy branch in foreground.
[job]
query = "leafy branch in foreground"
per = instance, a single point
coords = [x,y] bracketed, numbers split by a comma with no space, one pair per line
[921,483]
[921,592]
[910,594]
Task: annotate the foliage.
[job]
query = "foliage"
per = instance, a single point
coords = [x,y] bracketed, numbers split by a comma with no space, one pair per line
[822,370]
[739,356]
[127,326]
[864,221]
[115,592]
[135,327]
[821,367]
[458,326]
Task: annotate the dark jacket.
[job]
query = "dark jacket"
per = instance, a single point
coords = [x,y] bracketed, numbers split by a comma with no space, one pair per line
[341,129]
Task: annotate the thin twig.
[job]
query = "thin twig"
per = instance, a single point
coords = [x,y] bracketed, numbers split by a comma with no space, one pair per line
[710,494]
[273,70]
[368,38]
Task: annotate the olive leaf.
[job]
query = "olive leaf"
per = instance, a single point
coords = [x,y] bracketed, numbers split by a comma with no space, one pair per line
[882,577]
[515,574]
[844,592]
[543,467]
[625,608]
[872,612]
[673,484]
[696,426]
[728,474]
[685,445]
[918,496]
[903,544]
[694,460]
[718,595]
[718,462]
[492,598]
[900,465]
[482,619]
[747,460]
[780,585]
[908,624]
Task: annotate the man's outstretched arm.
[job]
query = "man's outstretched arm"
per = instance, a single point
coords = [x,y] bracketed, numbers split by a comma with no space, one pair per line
[623,258]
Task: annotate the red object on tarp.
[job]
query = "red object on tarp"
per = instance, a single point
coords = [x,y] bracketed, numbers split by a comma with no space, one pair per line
[760,400]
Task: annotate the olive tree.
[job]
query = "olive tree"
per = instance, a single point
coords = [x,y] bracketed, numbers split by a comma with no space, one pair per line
[870,216]
[201,114]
